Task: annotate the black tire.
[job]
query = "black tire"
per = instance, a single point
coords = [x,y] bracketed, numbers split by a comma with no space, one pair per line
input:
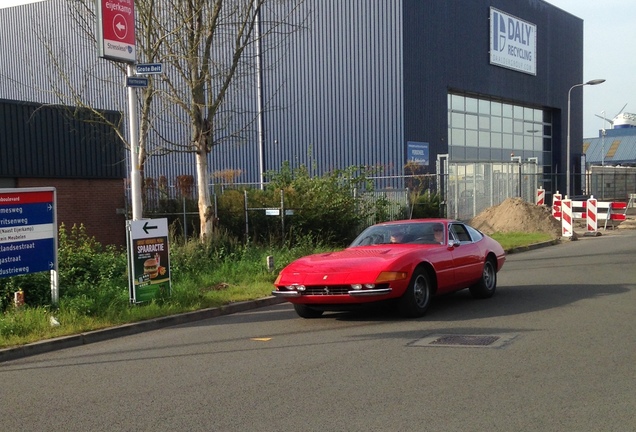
[487,285]
[417,298]
[304,311]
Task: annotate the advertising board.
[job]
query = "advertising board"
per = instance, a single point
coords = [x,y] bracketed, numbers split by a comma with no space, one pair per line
[148,259]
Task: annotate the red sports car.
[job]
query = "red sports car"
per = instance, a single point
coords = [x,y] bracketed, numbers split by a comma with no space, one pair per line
[406,261]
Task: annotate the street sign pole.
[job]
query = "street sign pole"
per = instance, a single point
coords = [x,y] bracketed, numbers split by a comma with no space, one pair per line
[135,172]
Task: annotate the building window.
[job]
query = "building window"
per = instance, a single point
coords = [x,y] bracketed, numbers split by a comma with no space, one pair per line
[489,130]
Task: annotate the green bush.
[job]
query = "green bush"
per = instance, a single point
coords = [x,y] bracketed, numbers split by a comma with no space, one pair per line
[86,269]
[425,205]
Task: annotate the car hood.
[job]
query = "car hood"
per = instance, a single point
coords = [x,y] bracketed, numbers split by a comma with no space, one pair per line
[354,265]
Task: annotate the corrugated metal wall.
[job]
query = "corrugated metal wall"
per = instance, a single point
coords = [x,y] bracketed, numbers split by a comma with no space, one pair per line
[332,90]
[336,98]
[349,86]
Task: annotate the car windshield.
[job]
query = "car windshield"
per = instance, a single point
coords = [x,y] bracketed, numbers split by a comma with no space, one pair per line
[419,233]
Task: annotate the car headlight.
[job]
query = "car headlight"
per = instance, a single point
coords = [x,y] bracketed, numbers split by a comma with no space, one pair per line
[360,286]
[388,276]
[296,287]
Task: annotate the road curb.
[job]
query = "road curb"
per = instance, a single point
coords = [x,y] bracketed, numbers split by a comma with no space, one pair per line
[48,345]
[533,246]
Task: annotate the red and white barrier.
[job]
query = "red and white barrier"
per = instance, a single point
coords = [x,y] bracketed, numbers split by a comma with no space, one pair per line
[588,210]
[556,205]
[540,196]
[590,215]
[616,212]
[566,217]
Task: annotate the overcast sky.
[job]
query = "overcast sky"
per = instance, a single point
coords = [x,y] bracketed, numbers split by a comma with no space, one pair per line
[609,37]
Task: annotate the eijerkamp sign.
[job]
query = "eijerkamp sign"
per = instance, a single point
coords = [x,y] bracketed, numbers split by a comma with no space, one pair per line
[513,42]
[116,30]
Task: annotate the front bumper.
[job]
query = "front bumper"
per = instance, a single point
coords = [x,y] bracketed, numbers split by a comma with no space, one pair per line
[352,293]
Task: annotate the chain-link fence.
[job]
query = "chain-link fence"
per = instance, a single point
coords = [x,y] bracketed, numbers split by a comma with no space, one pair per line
[470,188]
[462,191]
[609,183]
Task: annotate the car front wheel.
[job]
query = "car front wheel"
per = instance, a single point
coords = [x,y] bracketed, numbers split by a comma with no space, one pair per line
[487,285]
[304,311]
[417,297]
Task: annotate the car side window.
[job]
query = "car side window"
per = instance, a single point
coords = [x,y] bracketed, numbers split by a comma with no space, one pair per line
[474,234]
[461,233]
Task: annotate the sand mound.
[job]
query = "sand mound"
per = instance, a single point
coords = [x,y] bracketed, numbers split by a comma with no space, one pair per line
[517,215]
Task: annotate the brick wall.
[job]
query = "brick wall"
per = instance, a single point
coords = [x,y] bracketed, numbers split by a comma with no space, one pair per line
[92,202]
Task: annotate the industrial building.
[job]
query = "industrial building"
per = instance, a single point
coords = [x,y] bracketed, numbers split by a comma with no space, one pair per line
[373,83]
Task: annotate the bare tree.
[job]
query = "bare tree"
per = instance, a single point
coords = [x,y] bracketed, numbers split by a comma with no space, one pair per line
[206,45]
[211,44]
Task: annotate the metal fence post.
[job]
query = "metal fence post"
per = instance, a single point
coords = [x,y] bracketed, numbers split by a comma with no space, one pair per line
[282,215]
[247,228]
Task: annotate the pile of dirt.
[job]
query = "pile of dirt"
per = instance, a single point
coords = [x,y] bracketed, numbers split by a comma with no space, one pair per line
[517,215]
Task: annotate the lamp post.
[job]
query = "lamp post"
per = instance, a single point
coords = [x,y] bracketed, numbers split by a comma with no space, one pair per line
[567,149]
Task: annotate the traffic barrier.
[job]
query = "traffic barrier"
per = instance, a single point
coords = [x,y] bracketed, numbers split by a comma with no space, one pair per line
[556,205]
[566,217]
[616,213]
[590,215]
[540,196]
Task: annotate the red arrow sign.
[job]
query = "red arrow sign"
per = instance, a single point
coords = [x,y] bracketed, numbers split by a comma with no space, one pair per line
[118,20]
[117,28]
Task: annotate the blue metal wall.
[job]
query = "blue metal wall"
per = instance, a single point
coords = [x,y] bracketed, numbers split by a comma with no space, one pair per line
[446,49]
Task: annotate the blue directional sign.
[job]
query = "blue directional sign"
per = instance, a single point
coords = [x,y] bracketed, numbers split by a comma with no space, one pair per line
[149,68]
[28,231]
[136,82]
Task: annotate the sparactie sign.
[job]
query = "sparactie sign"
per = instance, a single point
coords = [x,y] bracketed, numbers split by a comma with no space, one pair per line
[513,42]
[116,30]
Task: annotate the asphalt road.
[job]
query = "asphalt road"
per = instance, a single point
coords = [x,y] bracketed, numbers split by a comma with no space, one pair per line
[556,352]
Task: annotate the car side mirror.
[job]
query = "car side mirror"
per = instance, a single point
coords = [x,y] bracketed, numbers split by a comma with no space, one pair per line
[453,244]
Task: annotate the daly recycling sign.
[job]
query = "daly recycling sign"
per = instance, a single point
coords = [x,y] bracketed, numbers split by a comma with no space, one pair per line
[148,259]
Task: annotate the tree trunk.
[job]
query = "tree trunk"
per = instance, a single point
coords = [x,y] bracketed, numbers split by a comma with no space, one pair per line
[206,211]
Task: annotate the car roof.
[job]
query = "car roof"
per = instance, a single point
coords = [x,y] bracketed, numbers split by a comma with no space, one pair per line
[416,221]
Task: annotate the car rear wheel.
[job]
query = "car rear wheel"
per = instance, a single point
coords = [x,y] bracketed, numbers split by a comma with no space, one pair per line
[487,285]
[307,312]
[417,298]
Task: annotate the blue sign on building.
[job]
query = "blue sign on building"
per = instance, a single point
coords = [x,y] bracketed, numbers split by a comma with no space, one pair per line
[417,152]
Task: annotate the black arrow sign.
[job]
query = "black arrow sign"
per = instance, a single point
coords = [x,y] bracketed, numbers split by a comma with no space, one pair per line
[146,227]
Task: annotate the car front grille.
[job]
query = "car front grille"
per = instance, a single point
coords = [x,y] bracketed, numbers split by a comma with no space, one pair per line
[327,290]
[322,290]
